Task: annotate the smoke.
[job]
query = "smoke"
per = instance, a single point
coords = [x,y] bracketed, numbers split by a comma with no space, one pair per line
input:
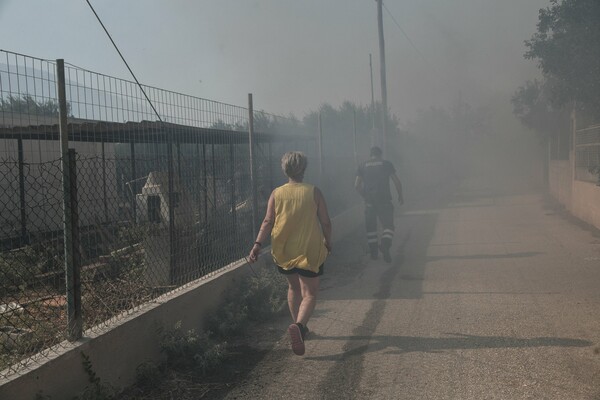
[295,56]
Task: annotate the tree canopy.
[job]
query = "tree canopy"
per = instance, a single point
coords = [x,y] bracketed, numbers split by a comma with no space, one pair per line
[533,106]
[567,48]
[28,105]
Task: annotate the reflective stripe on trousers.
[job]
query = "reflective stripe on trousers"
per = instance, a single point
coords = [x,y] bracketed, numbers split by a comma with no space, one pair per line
[384,212]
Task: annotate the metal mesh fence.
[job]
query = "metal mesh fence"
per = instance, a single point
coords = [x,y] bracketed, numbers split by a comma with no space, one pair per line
[587,154]
[32,312]
[157,202]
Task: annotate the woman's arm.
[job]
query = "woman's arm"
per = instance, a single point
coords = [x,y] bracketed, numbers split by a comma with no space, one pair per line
[324,219]
[265,229]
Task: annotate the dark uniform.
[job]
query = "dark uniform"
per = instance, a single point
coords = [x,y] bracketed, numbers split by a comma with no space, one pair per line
[375,174]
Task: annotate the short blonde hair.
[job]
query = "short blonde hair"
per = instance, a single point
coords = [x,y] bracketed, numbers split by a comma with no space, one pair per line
[293,164]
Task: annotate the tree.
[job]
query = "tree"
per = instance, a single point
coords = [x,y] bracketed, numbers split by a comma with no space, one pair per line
[28,105]
[533,106]
[448,140]
[265,123]
[338,128]
[567,48]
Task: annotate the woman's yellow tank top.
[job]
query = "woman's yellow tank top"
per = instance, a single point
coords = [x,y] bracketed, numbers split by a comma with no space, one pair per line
[297,238]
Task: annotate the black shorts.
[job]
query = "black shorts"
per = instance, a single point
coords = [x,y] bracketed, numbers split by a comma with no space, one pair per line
[303,272]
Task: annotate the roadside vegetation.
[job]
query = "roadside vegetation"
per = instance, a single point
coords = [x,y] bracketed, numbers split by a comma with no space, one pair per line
[196,362]
[566,50]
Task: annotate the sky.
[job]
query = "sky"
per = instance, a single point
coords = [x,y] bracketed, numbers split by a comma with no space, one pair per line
[293,56]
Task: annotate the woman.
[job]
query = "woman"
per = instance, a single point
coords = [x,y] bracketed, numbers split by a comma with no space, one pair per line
[300,229]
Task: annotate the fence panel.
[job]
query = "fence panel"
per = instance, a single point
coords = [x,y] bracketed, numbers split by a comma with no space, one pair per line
[32,302]
[587,154]
[163,199]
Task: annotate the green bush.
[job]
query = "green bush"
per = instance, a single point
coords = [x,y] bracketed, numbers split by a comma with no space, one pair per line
[257,299]
[191,350]
[230,320]
[148,375]
[265,294]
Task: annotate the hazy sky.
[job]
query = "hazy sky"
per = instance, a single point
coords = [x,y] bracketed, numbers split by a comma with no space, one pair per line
[293,55]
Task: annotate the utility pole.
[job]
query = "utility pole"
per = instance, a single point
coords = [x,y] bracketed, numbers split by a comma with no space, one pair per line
[373,138]
[383,77]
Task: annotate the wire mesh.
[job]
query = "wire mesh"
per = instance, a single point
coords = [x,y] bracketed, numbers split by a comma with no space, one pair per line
[32,314]
[587,154]
[161,200]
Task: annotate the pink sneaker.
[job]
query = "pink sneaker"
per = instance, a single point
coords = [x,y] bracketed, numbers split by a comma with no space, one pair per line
[297,340]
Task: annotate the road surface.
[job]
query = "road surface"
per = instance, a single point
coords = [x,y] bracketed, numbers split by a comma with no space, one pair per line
[489,296]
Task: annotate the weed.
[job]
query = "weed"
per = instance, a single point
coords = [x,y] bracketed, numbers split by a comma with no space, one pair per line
[265,295]
[230,319]
[191,350]
[257,299]
[148,375]
[97,390]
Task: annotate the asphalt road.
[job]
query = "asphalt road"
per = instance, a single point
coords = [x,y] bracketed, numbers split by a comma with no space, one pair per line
[489,296]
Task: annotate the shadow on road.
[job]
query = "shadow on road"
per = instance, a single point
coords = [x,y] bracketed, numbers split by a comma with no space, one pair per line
[486,256]
[404,279]
[457,341]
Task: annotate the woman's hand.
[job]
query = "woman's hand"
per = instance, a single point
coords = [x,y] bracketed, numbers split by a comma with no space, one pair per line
[327,245]
[253,256]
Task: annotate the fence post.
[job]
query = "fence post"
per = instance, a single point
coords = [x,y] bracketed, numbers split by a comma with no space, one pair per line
[205,180]
[574,144]
[178,147]
[104,184]
[232,177]
[70,218]
[320,149]
[271,183]
[73,277]
[132,182]
[252,171]
[214,178]
[355,150]
[196,179]
[171,197]
[547,157]
[23,205]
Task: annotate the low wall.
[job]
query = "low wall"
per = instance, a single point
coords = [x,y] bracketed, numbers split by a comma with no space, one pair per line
[585,203]
[559,181]
[582,199]
[131,340]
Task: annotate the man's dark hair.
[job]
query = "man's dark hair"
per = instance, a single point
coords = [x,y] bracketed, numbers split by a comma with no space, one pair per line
[376,151]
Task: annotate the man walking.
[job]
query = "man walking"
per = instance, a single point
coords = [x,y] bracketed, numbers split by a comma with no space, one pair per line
[373,184]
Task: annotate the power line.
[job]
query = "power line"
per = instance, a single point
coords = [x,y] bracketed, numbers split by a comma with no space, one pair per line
[123,58]
[404,33]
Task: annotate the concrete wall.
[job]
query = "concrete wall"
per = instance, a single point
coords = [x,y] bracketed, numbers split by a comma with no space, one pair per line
[116,351]
[560,181]
[582,199]
[585,203]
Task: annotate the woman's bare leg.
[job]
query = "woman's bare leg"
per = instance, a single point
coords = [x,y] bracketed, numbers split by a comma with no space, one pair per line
[294,295]
[309,288]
